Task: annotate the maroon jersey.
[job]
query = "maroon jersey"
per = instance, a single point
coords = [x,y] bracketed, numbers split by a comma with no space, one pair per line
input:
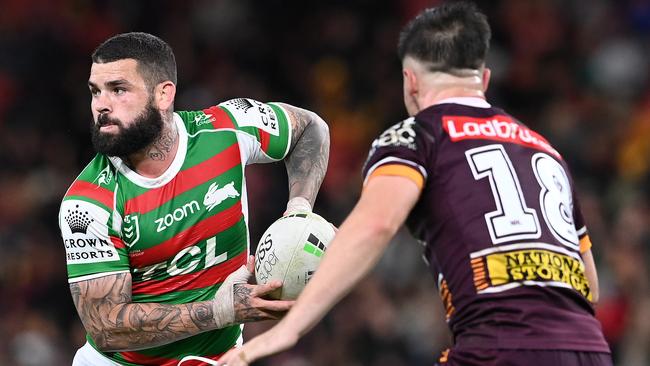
[501,226]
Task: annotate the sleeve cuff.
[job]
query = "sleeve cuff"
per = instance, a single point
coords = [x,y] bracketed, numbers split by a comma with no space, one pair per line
[585,244]
[399,170]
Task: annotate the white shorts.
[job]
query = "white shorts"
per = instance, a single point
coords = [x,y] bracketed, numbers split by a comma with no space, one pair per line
[88,356]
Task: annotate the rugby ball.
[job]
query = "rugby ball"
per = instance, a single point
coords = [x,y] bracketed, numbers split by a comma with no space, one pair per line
[290,250]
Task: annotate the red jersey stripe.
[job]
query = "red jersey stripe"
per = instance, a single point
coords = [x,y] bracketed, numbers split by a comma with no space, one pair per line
[191,281]
[93,191]
[188,237]
[117,242]
[140,359]
[219,117]
[265,139]
[185,181]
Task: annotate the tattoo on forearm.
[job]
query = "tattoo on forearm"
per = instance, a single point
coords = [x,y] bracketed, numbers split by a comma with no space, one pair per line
[202,315]
[105,308]
[307,162]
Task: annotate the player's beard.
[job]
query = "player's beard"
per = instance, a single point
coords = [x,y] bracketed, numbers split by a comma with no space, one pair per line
[142,132]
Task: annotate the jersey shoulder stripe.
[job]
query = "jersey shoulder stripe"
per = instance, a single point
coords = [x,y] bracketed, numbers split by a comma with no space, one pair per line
[95,184]
[219,118]
[268,123]
[265,123]
[94,192]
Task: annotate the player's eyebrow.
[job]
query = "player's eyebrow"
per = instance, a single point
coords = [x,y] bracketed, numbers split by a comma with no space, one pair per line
[111,83]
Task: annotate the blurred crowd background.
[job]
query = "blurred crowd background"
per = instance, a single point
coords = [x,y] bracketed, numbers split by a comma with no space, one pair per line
[574,70]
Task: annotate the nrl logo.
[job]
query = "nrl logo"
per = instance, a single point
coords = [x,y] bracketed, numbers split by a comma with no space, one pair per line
[130,230]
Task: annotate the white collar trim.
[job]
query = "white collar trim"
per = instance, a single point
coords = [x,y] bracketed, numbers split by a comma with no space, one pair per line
[169,174]
[468,101]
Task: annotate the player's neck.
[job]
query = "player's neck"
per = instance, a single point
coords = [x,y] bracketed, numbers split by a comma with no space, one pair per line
[153,161]
[444,86]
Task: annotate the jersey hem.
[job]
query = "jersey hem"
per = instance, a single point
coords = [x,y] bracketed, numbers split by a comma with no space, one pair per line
[534,344]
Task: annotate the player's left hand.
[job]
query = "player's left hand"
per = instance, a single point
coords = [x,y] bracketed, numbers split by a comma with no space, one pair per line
[275,340]
[250,303]
[297,204]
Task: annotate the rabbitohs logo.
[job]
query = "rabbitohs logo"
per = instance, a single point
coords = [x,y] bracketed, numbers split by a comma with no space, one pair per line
[216,195]
[130,230]
[213,197]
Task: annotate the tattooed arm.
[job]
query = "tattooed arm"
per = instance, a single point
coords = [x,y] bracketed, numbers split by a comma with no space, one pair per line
[117,324]
[307,159]
[114,323]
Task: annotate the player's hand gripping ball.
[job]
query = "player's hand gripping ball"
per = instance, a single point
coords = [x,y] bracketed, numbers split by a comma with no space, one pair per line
[290,250]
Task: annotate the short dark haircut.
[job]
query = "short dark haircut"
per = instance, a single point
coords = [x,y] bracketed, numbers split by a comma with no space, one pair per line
[451,36]
[156,61]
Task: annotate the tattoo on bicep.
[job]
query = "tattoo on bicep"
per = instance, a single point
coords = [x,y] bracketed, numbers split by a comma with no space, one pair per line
[299,120]
[307,162]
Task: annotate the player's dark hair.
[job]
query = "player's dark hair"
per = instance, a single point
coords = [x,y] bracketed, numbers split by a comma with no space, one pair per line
[450,36]
[156,61]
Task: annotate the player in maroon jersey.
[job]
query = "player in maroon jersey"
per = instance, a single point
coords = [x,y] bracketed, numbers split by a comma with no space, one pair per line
[491,199]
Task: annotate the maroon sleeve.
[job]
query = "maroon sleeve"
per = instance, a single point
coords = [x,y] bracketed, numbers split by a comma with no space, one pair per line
[405,143]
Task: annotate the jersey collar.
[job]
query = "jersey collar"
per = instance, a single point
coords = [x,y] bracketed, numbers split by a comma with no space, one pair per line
[468,101]
[169,174]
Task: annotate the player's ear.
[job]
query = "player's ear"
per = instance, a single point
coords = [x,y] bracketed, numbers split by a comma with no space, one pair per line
[486,78]
[164,94]
[410,81]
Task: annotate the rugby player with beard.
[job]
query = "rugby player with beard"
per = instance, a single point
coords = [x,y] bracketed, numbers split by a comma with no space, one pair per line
[155,227]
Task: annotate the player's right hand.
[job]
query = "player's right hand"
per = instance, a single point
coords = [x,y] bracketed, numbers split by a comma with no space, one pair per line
[237,301]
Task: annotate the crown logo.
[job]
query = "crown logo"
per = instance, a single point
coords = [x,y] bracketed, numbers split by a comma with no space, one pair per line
[242,103]
[78,221]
